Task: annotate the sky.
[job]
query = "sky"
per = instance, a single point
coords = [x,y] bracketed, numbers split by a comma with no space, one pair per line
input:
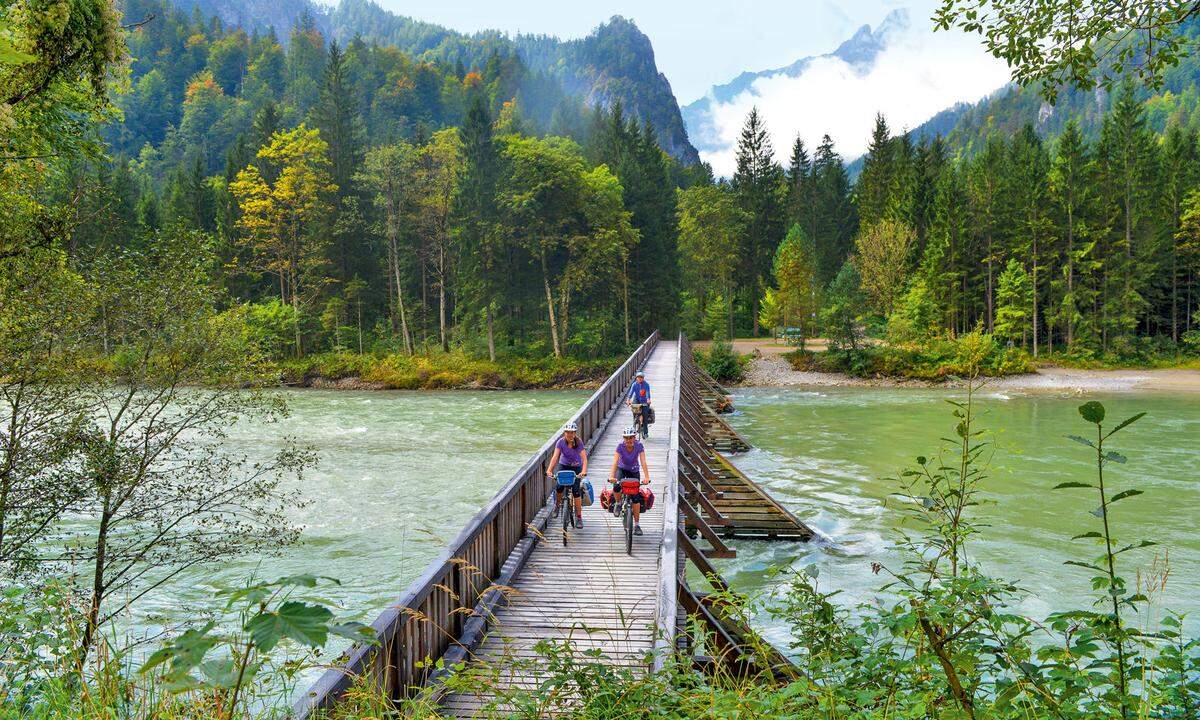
[697,43]
[700,43]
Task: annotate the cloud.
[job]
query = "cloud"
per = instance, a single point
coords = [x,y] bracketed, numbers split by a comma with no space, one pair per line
[916,76]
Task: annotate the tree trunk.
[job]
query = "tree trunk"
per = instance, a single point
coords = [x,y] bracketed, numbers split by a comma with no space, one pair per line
[491,335]
[92,619]
[1070,320]
[625,299]
[442,299]
[991,316]
[360,342]
[754,309]
[728,312]
[394,249]
[1035,296]
[550,308]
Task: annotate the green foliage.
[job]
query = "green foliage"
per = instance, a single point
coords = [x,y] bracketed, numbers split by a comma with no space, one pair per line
[936,360]
[1015,297]
[221,663]
[722,362]
[1049,43]
[441,371]
[266,326]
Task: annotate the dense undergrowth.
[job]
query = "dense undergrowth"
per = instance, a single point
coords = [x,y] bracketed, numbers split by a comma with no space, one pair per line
[934,360]
[441,371]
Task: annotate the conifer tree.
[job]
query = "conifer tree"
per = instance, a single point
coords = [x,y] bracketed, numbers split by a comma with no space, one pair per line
[1014,300]
[830,217]
[758,184]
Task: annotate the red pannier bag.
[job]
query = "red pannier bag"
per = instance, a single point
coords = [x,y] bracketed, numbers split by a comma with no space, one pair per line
[647,498]
[606,498]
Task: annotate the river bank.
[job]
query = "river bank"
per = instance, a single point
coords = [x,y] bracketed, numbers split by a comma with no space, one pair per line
[772,370]
[452,371]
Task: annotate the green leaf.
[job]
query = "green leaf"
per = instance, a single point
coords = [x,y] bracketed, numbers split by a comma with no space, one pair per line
[1060,486]
[1079,563]
[1123,495]
[1099,512]
[353,631]
[1082,440]
[1113,456]
[1092,534]
[1092,411]
[184,652]
[302,622]
[1126,423]
[1136,546]
[222,672]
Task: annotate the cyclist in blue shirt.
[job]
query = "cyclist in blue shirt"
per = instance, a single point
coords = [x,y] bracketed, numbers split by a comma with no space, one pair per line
[639,394]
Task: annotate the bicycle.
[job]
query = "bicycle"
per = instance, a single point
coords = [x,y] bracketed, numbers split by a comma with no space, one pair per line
[565,479]
[624,507]
[639,419]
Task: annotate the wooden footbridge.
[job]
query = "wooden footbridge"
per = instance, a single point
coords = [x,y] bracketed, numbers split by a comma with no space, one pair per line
[508,584]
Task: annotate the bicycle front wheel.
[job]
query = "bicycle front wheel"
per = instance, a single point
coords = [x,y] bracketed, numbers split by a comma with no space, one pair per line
[628,520]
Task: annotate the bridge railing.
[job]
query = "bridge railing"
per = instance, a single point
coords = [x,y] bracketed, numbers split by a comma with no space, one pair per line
[430,616]
[668,558]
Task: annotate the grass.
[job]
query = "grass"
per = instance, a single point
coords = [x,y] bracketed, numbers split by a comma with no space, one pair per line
[439,371]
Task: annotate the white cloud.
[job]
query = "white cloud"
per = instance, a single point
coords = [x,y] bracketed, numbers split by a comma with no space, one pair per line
[917,76]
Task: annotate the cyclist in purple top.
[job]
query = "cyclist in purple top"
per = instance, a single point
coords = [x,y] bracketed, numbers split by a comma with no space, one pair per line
[629,462]
[569,454]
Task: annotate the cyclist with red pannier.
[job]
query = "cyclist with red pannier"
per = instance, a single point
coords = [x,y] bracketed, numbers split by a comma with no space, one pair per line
[629,472]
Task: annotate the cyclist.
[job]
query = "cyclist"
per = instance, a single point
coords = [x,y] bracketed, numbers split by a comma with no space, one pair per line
[569,454]
[629,461]
[639,394]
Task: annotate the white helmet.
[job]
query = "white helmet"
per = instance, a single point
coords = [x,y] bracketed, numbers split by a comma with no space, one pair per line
[630,431]
[570,427]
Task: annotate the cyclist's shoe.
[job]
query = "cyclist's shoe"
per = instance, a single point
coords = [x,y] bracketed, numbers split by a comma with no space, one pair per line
[579,521]
[557,509]
[637,529]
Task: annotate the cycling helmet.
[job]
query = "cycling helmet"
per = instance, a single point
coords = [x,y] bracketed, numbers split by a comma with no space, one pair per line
[630,431]
[570,427]
[640,373]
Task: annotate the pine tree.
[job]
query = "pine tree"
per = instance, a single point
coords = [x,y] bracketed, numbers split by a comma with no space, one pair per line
[1014,300]
[829,217]
[341,127]
[799,178]
[1030,228]
[1127,161]
[758,184]
[1072,190]
[484,251]
[1181,175]
[877,184]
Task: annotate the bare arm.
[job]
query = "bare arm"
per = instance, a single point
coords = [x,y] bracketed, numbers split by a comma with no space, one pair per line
[612,474]
[553,462]
[645,468]
[583,454]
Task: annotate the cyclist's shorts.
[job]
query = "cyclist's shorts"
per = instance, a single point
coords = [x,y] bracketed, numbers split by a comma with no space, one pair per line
[576,489]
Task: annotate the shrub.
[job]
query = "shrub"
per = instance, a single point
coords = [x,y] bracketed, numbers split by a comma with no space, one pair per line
[723,363]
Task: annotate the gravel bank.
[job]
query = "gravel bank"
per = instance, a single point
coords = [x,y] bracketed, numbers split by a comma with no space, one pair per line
[773,371]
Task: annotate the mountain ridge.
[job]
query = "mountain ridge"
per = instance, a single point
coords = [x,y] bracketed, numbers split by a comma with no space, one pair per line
[858,51]
[614,63]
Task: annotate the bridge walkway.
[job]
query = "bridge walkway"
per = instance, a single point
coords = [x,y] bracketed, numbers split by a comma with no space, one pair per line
[588,592]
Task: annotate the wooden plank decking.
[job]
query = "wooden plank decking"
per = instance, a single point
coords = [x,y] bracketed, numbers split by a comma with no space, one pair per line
[589,593]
